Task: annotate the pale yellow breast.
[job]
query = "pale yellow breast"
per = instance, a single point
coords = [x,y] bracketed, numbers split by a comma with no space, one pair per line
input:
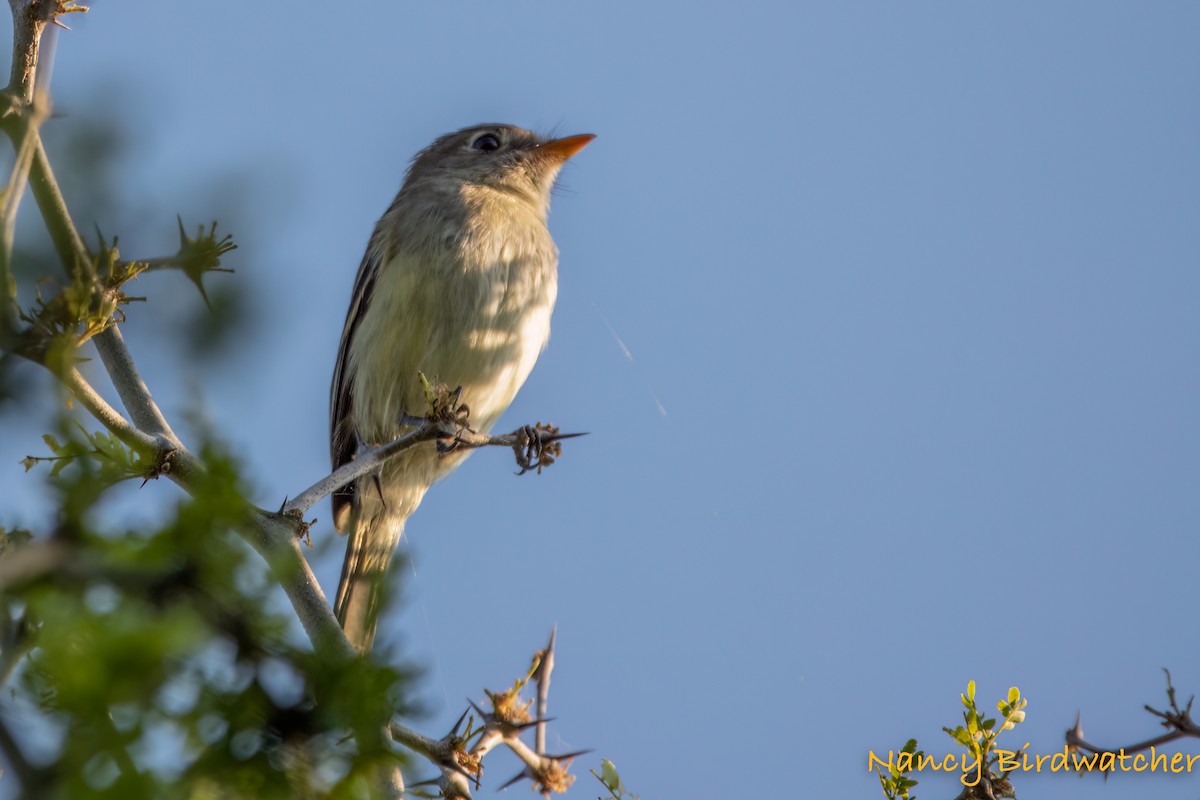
[475,314]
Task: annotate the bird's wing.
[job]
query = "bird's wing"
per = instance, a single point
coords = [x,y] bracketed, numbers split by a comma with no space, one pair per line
[343,434]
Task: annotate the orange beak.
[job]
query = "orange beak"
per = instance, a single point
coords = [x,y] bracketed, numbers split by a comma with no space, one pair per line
[564,148]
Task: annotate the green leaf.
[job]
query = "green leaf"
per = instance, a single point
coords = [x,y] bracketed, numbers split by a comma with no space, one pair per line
[609,776]
[960,735]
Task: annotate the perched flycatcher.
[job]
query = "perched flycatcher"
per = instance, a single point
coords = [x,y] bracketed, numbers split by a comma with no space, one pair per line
[458,283]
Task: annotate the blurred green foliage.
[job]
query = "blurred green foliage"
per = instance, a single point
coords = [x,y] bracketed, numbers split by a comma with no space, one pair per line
[160,663]
[157,661]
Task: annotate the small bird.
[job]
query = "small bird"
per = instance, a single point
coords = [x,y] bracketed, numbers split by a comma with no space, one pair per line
[458,283]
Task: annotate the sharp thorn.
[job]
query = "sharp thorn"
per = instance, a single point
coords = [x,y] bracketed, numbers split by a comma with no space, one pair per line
[522,774]
[457,725]
[569,756]
[526,725]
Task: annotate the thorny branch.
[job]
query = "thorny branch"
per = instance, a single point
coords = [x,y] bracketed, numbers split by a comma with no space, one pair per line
[1178,722]
[462,766]
[535,447]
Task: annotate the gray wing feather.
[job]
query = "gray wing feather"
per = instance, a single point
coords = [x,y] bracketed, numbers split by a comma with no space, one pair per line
[343,433]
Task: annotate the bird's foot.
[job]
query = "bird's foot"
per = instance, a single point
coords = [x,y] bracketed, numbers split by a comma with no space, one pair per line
[537,446]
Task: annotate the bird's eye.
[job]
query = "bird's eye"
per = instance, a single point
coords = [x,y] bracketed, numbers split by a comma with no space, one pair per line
[487,143]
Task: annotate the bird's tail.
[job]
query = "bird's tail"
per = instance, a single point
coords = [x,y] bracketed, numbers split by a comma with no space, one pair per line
[373,540]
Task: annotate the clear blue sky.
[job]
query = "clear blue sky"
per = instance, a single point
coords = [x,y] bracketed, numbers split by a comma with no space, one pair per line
[883,317]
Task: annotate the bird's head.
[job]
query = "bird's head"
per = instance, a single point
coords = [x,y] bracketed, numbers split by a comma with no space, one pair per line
[502,157]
